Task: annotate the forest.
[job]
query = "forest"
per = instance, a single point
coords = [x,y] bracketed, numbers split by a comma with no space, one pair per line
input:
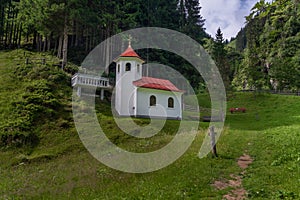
[270,46]
[265,54]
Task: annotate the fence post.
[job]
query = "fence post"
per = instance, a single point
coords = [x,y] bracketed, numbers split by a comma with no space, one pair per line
[213,140]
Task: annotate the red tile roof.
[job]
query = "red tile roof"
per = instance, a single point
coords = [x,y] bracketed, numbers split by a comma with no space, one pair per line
[156,83]
[129,52]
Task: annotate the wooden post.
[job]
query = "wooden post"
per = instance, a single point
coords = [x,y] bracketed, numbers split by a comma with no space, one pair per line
[79,91]
[102,94]
[213,140]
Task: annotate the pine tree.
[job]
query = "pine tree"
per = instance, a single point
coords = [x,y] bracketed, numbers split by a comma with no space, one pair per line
[182,15]
[193,24]
[155,13]
[219,54]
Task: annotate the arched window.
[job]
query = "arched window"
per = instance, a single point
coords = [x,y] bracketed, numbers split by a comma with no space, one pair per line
[138,68]
[152,100]
[127,67]
[170,102]
[118,68]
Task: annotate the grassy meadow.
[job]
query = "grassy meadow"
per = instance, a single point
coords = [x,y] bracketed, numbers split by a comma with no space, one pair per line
[57,166]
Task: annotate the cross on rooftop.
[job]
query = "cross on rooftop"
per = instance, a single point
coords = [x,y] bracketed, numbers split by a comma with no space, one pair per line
[129,40]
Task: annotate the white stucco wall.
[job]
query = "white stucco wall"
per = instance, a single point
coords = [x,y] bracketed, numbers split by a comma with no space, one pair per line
[125,99]
[161,109]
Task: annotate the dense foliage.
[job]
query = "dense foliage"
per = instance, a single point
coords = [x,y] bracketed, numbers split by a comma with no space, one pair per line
[48,24]
[265,54]
[271,47]
[70,29]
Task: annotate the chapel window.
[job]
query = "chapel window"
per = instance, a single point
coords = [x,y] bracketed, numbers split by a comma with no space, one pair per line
[127,67]
[152,100]
[170,102]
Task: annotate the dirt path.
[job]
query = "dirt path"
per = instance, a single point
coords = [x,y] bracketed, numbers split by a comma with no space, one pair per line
[238,192]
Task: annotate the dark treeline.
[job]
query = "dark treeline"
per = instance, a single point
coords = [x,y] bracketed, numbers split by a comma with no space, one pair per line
[264,55]
[71,28]
[61,25]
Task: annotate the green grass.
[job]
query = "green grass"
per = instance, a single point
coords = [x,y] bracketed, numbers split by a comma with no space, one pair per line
[273,122]
[59,166]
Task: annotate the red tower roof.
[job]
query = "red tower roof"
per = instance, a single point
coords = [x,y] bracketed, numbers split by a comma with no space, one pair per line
[156,83]
[129,52]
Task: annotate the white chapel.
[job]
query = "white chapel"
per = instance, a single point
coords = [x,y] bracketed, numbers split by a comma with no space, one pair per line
[140,96]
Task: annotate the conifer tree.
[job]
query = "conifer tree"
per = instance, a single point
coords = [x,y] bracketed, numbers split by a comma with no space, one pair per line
[192,22]
[219,54]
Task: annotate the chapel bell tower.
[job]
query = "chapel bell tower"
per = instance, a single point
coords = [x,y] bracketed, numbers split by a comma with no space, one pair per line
[128,69]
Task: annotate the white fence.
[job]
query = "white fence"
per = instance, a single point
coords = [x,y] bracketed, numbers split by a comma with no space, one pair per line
[90,80]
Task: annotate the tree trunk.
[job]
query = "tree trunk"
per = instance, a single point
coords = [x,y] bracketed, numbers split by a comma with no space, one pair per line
[55,46]
[20,35]
[39,42]
[27,37]
[7,26]
[65,43]
[87,40]
[11,32]
[34,39]
[15,35]
[107,54]
[16,32]
[6,33]
[2,18]
[91,40]
[49,43]
[45,42]
[76,34]
[59,48]
[73,34]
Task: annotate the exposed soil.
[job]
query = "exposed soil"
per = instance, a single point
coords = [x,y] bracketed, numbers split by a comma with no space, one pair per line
[238,192]
[244,161]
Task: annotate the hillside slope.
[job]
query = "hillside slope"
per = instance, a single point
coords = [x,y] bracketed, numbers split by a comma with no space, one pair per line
[42,157]
[35,98]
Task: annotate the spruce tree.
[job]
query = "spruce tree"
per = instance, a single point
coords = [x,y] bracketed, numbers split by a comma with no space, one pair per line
[193,25]
[219,54]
